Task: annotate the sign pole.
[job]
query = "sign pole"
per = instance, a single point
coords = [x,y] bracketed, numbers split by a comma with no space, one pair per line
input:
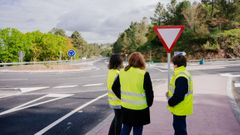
[169,58]
[71,53]
[168,36]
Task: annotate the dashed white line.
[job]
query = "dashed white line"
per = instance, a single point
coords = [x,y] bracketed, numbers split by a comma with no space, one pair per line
[65,86]
[95,84]
[68,115]
[23,90]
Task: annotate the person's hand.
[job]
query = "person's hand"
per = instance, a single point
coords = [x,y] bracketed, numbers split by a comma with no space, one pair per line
[167,95]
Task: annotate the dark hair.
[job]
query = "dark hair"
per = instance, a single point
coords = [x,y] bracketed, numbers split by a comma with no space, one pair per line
[136,59]
[115,62]
[179,60]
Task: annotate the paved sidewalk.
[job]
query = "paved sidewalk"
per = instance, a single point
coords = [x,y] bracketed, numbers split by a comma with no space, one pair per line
[213,114]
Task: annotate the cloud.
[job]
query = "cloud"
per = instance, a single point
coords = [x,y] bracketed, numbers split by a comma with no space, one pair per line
[105,19]
[97,20]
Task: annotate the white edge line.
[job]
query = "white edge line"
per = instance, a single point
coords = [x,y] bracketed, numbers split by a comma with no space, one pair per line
[68,115]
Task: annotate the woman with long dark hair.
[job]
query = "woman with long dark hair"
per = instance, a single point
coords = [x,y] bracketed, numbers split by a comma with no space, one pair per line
[134,87]
[115,64]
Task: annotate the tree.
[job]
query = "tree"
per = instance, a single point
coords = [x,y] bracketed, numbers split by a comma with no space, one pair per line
[195,16]
[12,41]
[79,43]
[132,38]
[58,31]
[179,17]
[224,14]
[159,16]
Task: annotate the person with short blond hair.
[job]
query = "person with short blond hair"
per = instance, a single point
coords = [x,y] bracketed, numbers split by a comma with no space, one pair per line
[134,87]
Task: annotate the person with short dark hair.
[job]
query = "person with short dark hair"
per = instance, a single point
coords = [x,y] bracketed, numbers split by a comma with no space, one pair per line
[180,95]
[134,87]
[115,64]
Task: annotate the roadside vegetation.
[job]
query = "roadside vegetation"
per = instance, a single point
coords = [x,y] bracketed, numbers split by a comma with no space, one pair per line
[212,30]
[38,46]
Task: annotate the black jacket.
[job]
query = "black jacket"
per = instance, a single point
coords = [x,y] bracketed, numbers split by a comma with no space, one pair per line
[181,89]
[136,117]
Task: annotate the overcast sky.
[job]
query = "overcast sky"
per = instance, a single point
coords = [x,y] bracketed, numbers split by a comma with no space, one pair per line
[98,21]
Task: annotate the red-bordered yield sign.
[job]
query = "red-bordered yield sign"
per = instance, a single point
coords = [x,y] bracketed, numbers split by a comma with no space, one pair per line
[169,35]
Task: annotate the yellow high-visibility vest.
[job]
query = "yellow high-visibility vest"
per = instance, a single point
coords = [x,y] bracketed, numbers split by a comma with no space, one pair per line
[185,107]
[132,92]
[113,100]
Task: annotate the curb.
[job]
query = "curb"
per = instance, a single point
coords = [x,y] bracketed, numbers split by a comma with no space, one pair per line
[234,105]
[45,71]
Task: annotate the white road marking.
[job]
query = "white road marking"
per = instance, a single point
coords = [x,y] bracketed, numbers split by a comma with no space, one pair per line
[229,75]
[59,95]
[65,86]
[5,96]
[160,69]
[13,79]
[237,84]
[95,76]
[159,79]
[23,90]
[68,115]
[92,91]
[96,84]
[9,88]
[29,104]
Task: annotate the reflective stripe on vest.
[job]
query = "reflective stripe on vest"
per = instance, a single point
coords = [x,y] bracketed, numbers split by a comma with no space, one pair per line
[113,100]
[124,92]
[132,91]
[186,106]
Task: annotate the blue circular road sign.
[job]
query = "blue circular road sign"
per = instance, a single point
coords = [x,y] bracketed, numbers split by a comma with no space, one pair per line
[71,53]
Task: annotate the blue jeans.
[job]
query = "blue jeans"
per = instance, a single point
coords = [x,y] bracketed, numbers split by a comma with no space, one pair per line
[126,129]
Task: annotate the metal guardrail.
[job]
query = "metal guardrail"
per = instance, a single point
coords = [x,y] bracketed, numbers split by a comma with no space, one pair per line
[33,63]
[73,61]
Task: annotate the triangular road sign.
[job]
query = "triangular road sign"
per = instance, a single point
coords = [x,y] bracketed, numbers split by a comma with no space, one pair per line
[169,35]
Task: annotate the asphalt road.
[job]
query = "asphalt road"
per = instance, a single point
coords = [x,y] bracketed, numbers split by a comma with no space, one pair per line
[71,103]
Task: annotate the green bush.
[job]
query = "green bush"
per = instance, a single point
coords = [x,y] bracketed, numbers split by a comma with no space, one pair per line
[229,40]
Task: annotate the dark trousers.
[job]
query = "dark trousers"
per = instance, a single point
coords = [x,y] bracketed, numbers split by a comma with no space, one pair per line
[179,125]
[126,129]
[116,124]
